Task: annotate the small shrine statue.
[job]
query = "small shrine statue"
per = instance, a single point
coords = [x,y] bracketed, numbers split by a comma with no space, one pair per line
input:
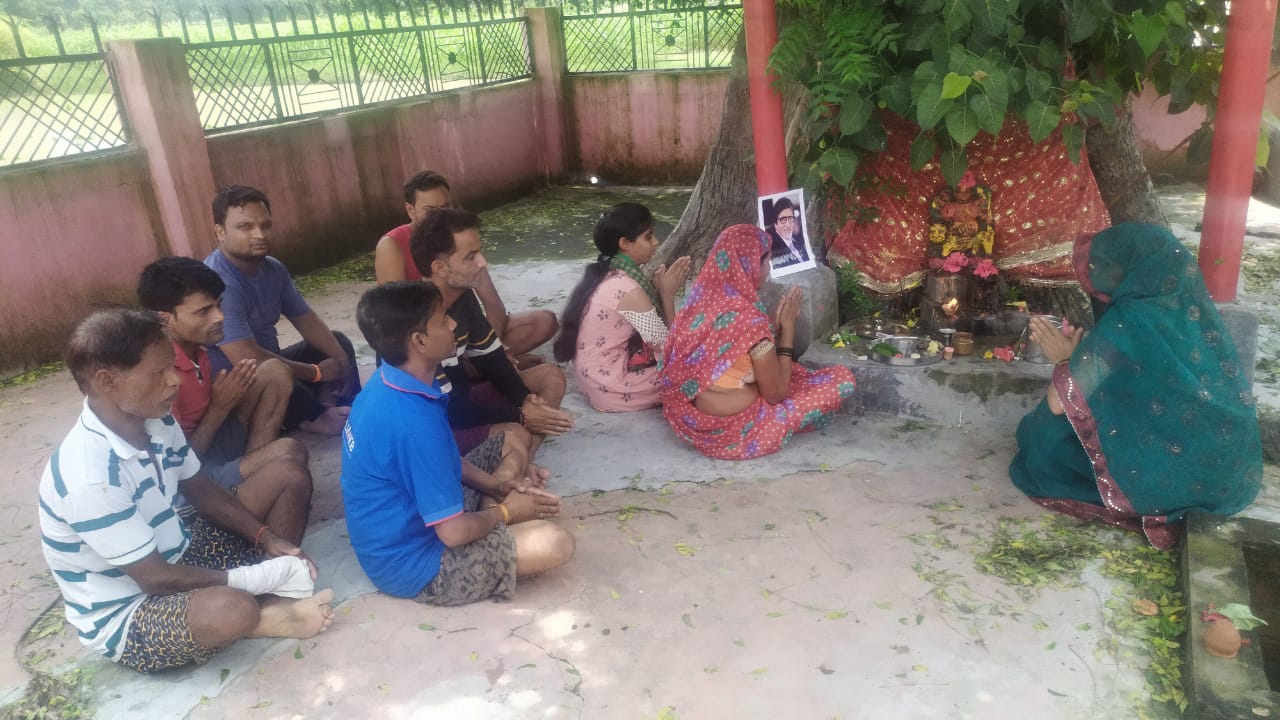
[960,221]
[962,285]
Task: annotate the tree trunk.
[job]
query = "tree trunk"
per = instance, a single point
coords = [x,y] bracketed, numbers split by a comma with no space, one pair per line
[726,191]
[1122,175]
[725,194]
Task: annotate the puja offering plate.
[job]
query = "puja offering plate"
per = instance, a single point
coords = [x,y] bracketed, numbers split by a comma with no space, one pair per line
[871,328]
[905,351]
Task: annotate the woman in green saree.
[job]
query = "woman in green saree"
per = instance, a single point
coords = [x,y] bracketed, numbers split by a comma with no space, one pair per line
[1149,415]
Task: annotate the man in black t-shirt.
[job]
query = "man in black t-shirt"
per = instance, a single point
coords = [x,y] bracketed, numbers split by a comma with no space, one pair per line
[446,249]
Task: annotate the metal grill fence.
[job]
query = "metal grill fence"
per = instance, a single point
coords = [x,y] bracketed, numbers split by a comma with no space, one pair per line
[253,82]
[55,107]
[650,36]
[62,105]
[50,29]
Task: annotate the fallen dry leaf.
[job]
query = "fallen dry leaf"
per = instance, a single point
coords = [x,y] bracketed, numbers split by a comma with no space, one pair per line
[1143,606]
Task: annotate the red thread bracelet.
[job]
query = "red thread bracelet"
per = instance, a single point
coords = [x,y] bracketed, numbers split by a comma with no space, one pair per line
[257,539]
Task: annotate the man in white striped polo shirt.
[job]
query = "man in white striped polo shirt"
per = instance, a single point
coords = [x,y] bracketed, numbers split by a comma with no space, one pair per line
[143,586]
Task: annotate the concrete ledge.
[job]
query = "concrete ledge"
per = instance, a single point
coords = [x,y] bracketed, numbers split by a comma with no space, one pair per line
[967,389]
[1214,571]
[1242,323]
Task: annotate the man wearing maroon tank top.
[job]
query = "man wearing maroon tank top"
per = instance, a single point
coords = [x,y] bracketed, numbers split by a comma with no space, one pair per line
[519,332]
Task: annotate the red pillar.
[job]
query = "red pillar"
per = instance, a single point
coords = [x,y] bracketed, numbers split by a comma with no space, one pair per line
[1245,64]
[760,18]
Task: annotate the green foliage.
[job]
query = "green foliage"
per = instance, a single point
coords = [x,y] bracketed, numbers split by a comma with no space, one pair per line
[854,299]
[30,376]
[53,697]
[961,67]
[356,269]
[1149,612]
[1145,612]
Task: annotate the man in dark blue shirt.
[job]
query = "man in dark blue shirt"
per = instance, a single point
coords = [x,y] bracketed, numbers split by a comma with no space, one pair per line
[260,290]
[424,523]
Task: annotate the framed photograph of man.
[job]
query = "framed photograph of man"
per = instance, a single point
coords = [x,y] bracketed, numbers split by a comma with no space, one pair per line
[782,216]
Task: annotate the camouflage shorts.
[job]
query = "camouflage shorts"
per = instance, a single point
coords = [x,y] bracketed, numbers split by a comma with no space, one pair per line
[481,569]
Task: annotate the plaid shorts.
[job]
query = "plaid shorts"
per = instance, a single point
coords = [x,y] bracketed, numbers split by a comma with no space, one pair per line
[159,638]
[481,569]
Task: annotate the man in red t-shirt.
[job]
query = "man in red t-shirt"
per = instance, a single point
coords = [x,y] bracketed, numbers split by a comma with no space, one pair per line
[233,420]
[520,332]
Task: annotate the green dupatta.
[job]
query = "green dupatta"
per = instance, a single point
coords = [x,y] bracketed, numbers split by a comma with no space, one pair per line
[1159,418]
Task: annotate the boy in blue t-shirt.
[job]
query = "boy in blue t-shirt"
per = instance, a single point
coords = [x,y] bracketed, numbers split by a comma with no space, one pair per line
[424,522]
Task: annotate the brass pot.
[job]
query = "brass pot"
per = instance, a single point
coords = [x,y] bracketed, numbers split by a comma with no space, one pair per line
[963,343]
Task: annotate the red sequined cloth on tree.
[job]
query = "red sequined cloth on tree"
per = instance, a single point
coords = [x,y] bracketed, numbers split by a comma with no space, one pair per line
[1042,201]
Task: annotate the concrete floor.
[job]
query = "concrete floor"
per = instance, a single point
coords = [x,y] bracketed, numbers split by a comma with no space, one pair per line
[834,579]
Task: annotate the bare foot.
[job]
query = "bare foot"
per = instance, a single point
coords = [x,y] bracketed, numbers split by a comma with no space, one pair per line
[330,421]
[524,362]
[537,475]
[284,618]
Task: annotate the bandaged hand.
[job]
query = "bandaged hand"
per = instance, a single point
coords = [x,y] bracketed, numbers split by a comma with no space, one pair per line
[287,576]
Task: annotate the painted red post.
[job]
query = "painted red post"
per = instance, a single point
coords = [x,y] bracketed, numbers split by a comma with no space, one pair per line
[760,18]
[1245,64]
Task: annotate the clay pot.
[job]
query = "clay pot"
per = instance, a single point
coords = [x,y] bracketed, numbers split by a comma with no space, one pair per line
[1222,638]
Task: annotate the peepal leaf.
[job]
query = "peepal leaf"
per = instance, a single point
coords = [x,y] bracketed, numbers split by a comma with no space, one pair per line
[1073,138]
[953,163]
[1038,82]
[956,14]
[922,150]
[991,15]
[954,85]
[1240,615]
[1081,22]
[931,106]
[854,114]
[1042,120]
[1149,30]
[990,105]
[840,163]
[962,124]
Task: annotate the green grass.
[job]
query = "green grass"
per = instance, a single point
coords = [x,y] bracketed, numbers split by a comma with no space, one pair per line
[38,41]
[581,35]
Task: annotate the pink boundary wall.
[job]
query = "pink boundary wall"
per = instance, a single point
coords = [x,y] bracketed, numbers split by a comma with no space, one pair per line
[644,127]
[75,233]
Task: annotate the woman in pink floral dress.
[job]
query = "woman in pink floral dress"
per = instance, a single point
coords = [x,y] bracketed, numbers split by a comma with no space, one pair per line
[615,323]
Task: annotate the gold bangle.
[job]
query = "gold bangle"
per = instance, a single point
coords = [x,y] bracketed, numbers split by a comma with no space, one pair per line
[506,516]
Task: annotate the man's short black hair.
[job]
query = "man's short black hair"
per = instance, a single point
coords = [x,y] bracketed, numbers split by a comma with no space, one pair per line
[388,314]
[433,237]
[112,339]
[236,196]
[423,182]
[166,283]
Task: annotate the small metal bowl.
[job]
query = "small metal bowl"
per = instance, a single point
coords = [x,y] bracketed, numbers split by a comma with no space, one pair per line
[871,328]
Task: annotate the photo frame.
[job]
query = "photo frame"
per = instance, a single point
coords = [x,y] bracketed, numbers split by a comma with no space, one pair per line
[789,240]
